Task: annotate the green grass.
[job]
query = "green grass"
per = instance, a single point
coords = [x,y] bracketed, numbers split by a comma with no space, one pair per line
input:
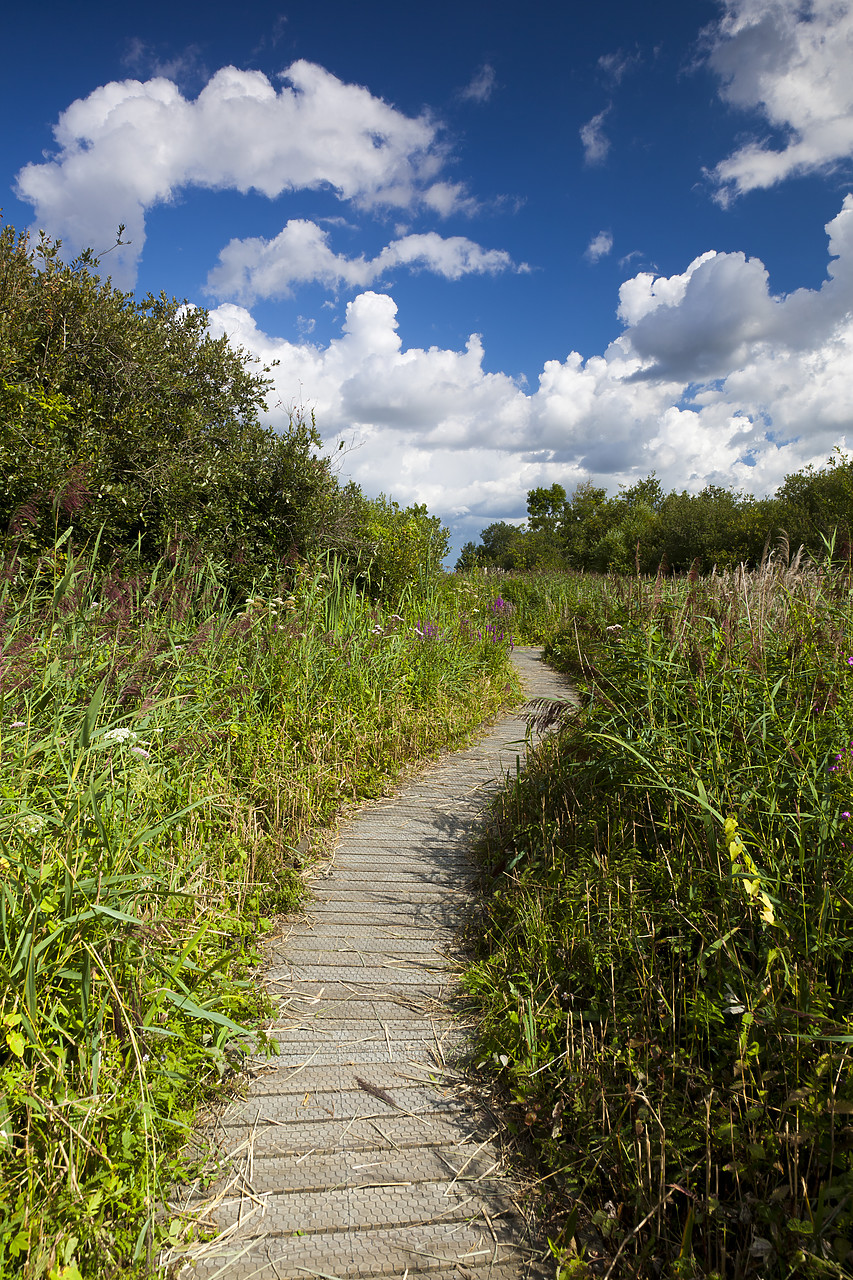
[665,955]
[168,760]
[536,605]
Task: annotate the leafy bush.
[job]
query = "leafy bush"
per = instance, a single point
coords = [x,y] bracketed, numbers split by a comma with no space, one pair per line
[129,423]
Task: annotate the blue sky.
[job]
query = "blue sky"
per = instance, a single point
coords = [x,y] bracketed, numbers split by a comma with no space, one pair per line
[490,246]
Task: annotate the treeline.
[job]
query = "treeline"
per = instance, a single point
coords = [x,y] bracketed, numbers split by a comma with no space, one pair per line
[127,428]
[642,527]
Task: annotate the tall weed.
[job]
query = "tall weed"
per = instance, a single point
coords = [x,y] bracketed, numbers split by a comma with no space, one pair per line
[168,759]
[664,959]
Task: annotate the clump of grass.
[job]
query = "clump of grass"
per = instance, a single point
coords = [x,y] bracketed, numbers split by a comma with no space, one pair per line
[664,959]
[535,605]
[167,758]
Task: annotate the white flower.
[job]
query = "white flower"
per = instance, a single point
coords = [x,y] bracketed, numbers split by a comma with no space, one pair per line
[120,735]
[32,824]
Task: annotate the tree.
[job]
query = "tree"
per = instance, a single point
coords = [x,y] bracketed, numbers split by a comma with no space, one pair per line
[126,420]
[815,507]
[398,546]
[545,509]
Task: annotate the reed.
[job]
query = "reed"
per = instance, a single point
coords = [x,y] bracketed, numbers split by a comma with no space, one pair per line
[168,760]
[664,956]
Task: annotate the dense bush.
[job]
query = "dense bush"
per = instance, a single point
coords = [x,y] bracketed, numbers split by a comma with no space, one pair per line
[128,423]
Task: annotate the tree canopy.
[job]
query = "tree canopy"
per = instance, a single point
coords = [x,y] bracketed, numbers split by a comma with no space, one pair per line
[642,526]
[125,424]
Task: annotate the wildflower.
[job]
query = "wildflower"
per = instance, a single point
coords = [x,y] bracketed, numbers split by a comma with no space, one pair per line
[846,814]
[140,751]
[31,824]
[615,629]
[19,724]
[121,734]
[752,886]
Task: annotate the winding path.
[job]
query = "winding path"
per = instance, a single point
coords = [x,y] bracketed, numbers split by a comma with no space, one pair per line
[358,1151]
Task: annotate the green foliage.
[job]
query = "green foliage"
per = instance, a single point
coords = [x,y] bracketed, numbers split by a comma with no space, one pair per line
[818,504]
[129,423]
[535,605]
[641,527]
[167,759]
[400,549]
[664,959]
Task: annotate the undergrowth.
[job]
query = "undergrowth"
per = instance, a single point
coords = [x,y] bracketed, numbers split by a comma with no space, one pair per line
[167,759]
[663,959]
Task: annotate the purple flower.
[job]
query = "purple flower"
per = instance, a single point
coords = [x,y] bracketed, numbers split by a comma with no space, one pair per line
[140,751]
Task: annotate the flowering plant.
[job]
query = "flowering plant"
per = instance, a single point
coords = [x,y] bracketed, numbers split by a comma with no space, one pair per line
[743,864]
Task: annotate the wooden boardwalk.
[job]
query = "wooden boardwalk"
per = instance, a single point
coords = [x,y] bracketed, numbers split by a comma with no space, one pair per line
[357,1151]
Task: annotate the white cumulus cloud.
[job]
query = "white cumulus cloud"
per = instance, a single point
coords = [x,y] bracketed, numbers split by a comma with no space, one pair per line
[793,63]
[714,378]
[131,145]
[257,268]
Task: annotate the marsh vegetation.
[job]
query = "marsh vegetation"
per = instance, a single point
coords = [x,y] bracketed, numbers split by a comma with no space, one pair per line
[664,956]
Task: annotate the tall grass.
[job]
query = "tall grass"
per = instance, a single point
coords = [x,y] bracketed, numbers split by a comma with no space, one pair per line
[665,959]
[537,605]
[167,761]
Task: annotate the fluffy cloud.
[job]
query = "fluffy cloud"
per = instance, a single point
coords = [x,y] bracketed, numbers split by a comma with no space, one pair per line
[599,246]
[131,145]
[792,63]
[596,144]
[256,268]
[713,378]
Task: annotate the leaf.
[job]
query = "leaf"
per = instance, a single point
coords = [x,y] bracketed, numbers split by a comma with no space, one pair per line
[185,1005]
[91,716]
[16,1043]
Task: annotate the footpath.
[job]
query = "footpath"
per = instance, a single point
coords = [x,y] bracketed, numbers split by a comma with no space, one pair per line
[359,1150]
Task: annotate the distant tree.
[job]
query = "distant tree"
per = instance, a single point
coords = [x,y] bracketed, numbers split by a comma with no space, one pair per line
[587,517]
[398,546]
[815,506]
[469,557]
[545,509]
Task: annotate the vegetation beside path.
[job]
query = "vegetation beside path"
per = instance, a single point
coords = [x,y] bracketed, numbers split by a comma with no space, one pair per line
[167,759]
[663,959]
[208,646]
